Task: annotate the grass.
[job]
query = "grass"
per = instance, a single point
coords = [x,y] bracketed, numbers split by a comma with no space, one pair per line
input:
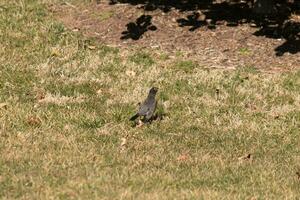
[65,132]
[106,15]
[244,51]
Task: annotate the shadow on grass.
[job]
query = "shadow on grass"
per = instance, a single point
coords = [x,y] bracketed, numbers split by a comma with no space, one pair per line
[136,29]
[275,24]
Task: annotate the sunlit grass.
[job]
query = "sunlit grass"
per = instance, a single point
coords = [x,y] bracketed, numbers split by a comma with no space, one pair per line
[65,133]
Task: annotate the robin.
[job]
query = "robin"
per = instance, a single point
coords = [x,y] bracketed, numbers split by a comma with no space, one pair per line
[147,108]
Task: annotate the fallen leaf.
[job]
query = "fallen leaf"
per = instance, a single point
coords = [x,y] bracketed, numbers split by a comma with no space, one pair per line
[123,144]
[246,157]
[99,92]
[40,95]
[91,47]
[75,29]
[123,141]
[276,117]
[130,73]
[55,53]
[3,105]
[183,157]
[34,121]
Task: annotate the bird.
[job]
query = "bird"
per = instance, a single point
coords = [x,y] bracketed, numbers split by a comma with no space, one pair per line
[147,108]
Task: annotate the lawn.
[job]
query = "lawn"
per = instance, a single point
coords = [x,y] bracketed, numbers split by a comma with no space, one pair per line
[65,101]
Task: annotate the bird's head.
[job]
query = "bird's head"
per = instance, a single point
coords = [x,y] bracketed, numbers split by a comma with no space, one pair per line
[153,90]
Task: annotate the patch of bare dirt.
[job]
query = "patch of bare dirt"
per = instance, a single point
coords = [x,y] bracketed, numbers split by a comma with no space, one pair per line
[221,47]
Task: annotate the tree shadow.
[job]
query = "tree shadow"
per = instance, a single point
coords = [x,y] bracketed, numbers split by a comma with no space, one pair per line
[193,21]
[217,14]
[291,46]
[166,6]
[206,13]
[288,30]
[135,30]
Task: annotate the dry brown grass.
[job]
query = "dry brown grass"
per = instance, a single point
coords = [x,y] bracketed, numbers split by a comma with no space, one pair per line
[65,132]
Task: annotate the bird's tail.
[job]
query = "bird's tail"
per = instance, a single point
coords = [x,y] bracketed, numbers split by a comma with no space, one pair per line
[134,117]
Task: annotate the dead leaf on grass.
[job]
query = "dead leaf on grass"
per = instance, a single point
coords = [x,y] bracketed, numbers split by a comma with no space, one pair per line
[33,121]
[246,157]
[130,73]
[55,53]
[91,47]
[76,29]
[3,105]
[183,157]
[123,144]
[99,92]
[40,95]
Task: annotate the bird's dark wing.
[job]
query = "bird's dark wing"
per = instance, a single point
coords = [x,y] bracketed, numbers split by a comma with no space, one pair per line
[151,110]
[134,117]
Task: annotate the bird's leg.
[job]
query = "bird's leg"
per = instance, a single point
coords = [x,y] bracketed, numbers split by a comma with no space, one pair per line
[139,123]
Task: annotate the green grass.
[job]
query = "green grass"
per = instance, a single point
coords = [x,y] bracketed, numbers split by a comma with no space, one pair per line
[65,132]
[185,66]
[244,51]
[142,58]
[103,16]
